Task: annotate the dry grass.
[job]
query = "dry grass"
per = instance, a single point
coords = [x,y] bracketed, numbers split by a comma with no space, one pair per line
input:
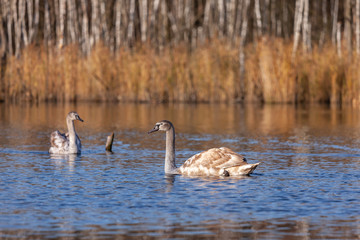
[209,74]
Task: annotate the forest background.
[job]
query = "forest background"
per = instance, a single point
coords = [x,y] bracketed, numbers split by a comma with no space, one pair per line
[272,51]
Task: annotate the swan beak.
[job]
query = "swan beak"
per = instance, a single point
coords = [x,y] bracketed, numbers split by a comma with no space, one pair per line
[78,118]
[156,128]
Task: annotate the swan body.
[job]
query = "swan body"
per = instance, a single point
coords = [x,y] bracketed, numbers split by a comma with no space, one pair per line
[66,143]
[213,162]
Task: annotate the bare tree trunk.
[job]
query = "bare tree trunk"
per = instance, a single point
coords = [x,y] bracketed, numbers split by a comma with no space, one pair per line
[71,20]
[338,39]
[267,24]
[180,6]
[33,18]
[130,33]
[22,13]
[297,26]
[143,19]
[59,16]
[104,28]
[36,20]
[61,33]
[117,24]
[188,21]
[9,31]
[244,29]
[2,49]
[95,28]
[30,16]
[153,20]
[207,26]
[231,12]
[324,23]
[2,46]
[357,26]
[258,18]
[273,17]
[347,27]
[47,27]
[17,28]
[2,40]
[285,19]
[335,19]
[174,27]
[85,29]
[306,27]
[221,18]
[163,24]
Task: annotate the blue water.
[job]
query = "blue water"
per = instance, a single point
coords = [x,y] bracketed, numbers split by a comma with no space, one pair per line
[307,185]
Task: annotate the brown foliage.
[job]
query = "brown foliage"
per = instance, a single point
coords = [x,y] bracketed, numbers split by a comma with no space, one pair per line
[208,74]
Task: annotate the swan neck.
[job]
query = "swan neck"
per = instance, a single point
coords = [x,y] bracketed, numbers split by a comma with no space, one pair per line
[170,166]
[71,130]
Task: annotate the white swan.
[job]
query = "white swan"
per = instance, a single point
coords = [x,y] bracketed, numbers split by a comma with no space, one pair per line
[69,142]
[213,162]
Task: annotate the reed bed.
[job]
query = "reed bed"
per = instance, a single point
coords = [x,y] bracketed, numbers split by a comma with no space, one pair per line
[210,73]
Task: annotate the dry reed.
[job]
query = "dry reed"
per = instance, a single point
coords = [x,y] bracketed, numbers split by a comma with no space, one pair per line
[208,74]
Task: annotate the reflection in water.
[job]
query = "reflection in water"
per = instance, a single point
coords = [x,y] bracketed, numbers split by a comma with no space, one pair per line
[306,186]
[65,159]
[169,179]
[222,229]
[196,118]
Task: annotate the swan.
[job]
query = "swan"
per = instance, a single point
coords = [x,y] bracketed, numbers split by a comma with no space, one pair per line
[213,162]
[69,142]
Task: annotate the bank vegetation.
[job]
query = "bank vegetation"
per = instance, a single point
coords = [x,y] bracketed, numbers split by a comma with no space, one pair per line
[276,51]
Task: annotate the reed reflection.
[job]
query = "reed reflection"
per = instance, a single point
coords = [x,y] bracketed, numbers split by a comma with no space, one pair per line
[204,118]
[29,126]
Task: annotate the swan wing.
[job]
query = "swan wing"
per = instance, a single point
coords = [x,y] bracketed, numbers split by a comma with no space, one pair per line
[217,162]
[215,158]
[58,140]
[78,142]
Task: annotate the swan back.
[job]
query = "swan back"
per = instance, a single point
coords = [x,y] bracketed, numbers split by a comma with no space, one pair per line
[215,161]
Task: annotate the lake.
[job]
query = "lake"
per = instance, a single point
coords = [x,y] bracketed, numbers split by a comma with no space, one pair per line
[306,187]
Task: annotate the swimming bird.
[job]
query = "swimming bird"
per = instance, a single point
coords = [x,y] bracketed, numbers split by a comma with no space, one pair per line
[69,142]
[213,162]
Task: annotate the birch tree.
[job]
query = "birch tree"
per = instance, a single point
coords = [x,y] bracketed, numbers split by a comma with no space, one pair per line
[357,25]
[347,25]
[85,29]
[244,30]
[297,26]
[335,11]
[258,17]
[123,23]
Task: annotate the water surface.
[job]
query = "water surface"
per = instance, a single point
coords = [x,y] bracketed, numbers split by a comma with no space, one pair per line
[307,186]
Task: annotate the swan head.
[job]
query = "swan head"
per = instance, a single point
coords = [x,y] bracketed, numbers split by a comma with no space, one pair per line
[163,125]
[74,116]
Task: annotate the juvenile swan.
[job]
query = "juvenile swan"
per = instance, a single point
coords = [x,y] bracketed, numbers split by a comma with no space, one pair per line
[68,142]
[213,162]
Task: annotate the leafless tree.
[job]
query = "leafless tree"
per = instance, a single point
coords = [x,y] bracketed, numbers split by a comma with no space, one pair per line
[128,23]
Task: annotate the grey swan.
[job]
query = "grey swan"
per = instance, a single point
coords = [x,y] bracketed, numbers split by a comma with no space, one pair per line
[213,162]
[68,143]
